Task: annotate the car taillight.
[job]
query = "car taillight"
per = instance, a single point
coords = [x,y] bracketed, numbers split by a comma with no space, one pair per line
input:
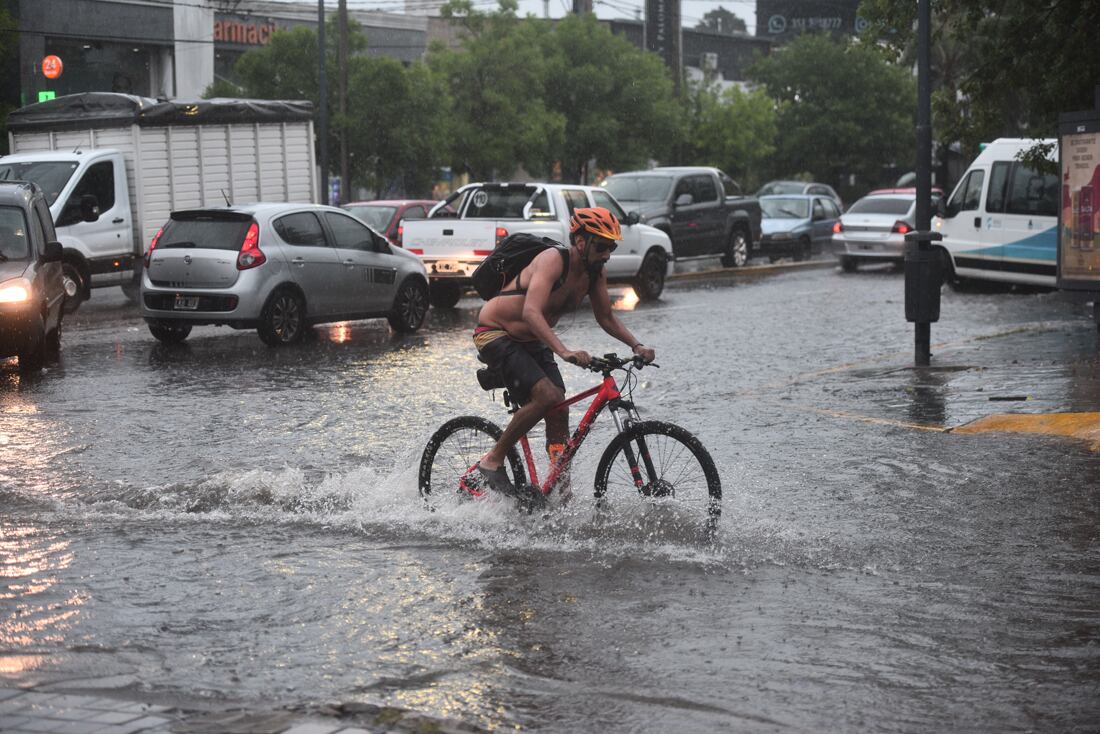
[901,227]
[400,234]
[153,245]
[250,255]
[838,227]
[501,234]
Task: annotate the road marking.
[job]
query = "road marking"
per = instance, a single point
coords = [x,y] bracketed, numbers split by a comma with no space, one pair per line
[1083,426]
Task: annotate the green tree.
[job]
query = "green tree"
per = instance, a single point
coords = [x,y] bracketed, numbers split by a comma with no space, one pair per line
[843,109]
[498,118]
[395,114]
[618,102]
[9,64]
[721,20]
[733,130]
[396,129]
[1000,67]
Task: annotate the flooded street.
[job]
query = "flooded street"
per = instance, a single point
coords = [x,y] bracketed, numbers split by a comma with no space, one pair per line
[223,521]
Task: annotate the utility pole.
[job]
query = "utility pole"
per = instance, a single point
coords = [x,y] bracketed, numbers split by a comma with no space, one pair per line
[322,105]
[580,7]
[342,62]
[922,266]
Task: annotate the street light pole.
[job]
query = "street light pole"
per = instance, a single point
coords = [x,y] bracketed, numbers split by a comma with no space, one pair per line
[322,105]
[922,266]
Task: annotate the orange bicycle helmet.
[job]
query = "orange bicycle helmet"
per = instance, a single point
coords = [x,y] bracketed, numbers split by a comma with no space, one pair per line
[597,221]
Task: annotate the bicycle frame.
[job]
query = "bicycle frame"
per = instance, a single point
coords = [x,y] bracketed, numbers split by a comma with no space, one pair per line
[607,392]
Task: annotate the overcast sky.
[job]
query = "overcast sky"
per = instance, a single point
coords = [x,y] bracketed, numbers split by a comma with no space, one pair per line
[691,10]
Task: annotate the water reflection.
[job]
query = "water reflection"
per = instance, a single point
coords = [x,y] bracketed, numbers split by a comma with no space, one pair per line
[30,561]
[927,390]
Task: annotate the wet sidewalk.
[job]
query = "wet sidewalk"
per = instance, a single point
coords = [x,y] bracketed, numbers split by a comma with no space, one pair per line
[27,712]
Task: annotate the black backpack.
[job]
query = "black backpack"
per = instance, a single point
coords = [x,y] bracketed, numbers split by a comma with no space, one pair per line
[509,258]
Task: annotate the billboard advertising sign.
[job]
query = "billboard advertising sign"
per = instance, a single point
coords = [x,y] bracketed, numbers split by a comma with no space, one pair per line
[1079,216]
[662,33]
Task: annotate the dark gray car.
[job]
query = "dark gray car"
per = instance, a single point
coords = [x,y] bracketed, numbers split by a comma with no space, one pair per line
[31,288]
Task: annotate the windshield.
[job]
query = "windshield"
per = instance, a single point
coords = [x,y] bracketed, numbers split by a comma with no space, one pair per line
[51,176]
[13,234]
[881,206]
[638,188]
[781,187]
[378,217]
[204,232]
[778,207]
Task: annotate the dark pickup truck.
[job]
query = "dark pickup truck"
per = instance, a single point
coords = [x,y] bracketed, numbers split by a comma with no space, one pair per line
[701,209]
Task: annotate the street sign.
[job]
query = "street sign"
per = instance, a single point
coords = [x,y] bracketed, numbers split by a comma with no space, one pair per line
[47,95]
[52,66]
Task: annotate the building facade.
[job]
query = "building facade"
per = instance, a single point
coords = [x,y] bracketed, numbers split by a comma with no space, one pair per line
[159,49]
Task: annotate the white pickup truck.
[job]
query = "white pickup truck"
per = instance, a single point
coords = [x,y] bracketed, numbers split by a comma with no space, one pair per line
[114,166]
[463,229]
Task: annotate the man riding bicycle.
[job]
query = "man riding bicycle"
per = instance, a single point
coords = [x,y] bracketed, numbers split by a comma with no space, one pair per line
[515,334]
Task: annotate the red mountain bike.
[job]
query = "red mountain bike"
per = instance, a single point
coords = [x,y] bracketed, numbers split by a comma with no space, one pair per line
[648,460]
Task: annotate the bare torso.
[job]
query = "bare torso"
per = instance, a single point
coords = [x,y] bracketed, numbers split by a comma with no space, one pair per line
[506,311]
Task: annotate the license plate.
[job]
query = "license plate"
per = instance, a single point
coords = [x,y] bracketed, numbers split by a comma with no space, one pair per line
[449,266]
[186,303]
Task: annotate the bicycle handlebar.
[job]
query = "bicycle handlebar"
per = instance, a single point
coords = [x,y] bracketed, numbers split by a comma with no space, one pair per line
[612,361]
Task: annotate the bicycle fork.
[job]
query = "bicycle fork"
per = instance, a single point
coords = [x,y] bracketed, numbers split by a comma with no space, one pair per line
[623,425]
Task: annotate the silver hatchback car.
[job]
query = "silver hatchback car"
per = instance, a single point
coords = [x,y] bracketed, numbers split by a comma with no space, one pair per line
[276,268]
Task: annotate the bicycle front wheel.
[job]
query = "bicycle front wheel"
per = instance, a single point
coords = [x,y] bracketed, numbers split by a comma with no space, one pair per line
[661,462]
[454,449]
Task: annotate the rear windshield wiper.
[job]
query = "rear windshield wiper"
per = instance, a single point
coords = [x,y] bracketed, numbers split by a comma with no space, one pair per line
[183,243]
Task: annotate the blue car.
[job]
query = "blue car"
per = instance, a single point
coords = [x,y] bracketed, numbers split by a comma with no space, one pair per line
[796,225]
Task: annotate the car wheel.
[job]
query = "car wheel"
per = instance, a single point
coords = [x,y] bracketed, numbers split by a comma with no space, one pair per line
[132,291]
[737,251]
[53,342]
[169,332]
[947,268]
[409,307]
[75,284]
[848,264]
[32,355]
[445,293]
[802,250]
[283,320]
[651,277]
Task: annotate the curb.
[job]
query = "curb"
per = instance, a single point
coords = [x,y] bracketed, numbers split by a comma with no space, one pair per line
[750,270]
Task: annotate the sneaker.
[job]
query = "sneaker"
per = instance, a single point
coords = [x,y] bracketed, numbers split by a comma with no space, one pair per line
[496,480]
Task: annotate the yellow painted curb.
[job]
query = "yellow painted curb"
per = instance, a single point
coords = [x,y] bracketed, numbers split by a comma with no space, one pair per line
[1083,426]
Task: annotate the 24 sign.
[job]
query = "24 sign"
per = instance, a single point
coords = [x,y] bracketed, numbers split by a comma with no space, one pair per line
[52,66]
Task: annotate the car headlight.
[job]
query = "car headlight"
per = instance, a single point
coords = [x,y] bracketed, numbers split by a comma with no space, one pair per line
[15,291]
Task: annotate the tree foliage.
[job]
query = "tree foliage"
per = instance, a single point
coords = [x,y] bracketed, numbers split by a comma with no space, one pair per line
[843,109]
[733,130]
[498,118]
[999,67]
[721,20]
[617,102]
[395,120]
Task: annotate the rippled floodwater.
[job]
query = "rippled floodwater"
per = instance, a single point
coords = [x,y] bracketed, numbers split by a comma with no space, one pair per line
[227,521]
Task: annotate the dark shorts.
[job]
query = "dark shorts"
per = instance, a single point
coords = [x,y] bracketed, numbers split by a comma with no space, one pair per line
[522,363]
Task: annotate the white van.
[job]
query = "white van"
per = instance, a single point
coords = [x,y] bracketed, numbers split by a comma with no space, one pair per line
[1000,222]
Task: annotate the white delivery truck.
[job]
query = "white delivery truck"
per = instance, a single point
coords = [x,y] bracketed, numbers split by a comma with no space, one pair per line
[1000,222]
[463,230]
[127,162]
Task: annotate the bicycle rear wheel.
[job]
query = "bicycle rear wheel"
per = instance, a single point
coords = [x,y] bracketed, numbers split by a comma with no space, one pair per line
[660,462]
[454,449]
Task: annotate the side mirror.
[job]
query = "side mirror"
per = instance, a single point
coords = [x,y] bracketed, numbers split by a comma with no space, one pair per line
[684,200]
[941,208]
[632,218]
[89,208]
[52,252]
